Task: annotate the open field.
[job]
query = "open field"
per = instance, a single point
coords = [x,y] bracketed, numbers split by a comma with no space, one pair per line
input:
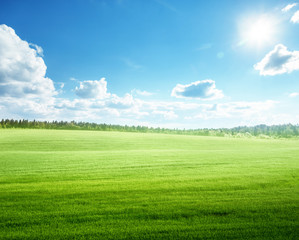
[110,185]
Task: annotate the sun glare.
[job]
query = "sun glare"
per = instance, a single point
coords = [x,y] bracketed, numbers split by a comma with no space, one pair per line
[258,31]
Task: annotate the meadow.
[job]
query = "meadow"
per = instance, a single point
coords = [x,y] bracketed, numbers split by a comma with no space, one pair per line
[66,184]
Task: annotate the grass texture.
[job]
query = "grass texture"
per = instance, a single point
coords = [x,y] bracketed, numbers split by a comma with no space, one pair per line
[57,184]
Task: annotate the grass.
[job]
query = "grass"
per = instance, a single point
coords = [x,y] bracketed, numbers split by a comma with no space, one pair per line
[110,185]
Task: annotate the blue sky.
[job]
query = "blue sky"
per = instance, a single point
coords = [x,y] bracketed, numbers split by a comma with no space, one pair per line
[177,64]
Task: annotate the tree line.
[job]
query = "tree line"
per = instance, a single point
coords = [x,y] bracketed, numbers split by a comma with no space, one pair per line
[263,131]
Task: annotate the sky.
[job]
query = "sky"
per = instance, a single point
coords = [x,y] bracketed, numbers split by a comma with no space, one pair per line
[158,63]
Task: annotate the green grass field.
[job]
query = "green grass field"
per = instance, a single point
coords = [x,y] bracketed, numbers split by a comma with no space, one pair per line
[111,185]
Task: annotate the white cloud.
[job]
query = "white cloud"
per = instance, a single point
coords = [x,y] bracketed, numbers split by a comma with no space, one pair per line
[93,89]
[231,114]
[169,115]
[120,103]
[22,71]
[246,108]
[25,91]
[128,110]
[294,94]
[113,109]
[12,107]
[288,7]
[205,89]
[295,17]
[38,49]
[142,93]
[278,61]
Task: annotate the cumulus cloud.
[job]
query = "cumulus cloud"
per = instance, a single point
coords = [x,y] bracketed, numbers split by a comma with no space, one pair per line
[278,61]
[205,89]
[294,94]
[93,89]
[11,107]
[25,91]
[120,103]
[22,70]
[288,7]
[295,17]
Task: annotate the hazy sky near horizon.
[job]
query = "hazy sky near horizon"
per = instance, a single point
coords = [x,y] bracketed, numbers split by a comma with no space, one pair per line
[175,64]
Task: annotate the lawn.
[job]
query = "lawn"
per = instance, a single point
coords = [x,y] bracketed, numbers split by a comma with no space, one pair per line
[59,184]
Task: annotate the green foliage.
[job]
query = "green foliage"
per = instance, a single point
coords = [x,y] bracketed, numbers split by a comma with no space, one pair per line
[112,185]
[277,131]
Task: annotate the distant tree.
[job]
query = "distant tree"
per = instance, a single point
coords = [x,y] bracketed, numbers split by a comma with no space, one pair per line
[285,131]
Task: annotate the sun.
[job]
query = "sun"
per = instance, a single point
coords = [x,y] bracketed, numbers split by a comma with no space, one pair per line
[260,31]
[257,31]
